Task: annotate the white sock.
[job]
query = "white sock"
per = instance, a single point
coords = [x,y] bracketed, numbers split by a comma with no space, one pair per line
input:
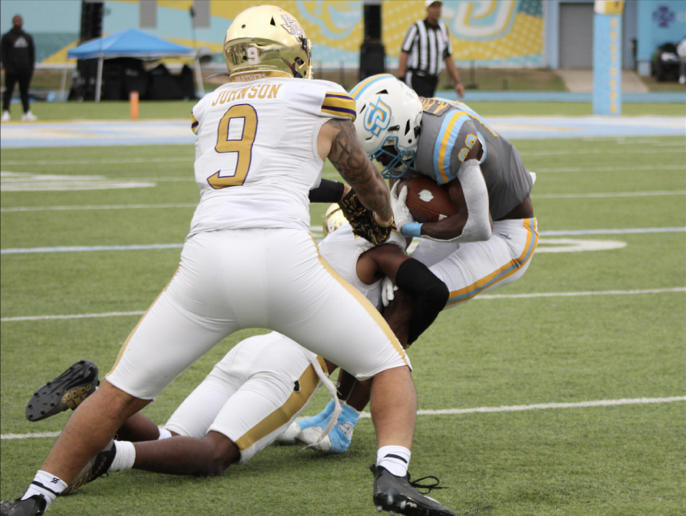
[124,457]
[47,485]
[164,434]
[394,458]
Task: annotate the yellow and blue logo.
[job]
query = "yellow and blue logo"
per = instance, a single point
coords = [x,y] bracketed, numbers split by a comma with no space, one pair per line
[377,117]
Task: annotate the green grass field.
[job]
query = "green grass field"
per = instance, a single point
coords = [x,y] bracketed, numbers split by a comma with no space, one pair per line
[623,343]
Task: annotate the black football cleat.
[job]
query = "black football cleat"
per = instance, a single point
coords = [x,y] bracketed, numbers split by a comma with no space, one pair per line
[33,506]
[398,495]
[96,468]
[67,391]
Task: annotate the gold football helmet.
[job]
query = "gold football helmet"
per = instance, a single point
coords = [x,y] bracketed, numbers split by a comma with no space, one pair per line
[333,219]
[266,41]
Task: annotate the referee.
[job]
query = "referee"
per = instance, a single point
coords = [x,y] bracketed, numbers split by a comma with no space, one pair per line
[425,47]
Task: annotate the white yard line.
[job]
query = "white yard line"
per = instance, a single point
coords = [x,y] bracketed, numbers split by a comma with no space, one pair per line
[514,408]
[600,195]
[482,296]
[193,205]
[678,149]
[99,161]
[76,316]
[542,406]
[317,230]
[589,293]
[626,231]
[29,436]
[90,248]
[104,207]
[626,168]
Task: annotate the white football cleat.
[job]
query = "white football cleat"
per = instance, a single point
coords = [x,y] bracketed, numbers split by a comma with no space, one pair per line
[288,437]
[28,117]
[5,116]
[337,441]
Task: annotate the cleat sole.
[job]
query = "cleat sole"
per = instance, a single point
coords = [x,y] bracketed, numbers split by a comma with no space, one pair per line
[67,391]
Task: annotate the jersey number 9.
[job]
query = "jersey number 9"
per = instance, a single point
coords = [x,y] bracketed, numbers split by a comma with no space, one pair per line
[236,136]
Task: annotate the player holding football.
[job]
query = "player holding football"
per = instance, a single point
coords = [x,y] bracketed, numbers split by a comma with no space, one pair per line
[250,261]
[452,145]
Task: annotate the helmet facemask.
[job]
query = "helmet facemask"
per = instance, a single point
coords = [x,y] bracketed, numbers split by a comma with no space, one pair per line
[396,161]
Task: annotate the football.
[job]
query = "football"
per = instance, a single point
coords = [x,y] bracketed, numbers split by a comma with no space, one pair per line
[426,200]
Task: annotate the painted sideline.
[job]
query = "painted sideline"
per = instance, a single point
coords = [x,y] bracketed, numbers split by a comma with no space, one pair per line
[483,296]
[514,408]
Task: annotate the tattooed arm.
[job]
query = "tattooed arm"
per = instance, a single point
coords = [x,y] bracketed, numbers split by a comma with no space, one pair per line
[339,142]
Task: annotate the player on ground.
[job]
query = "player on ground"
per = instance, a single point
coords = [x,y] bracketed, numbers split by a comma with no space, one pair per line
[452,145]
[250,261]
[266,380]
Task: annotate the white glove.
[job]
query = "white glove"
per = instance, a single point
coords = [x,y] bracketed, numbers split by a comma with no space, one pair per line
[401,212]
[387,291]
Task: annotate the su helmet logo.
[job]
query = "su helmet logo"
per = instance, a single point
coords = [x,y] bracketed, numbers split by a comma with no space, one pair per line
[377,118]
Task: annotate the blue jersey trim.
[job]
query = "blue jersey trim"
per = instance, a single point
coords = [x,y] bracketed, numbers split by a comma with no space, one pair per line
[443,158]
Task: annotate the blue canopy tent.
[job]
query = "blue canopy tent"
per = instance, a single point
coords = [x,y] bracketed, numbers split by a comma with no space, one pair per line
[132,43]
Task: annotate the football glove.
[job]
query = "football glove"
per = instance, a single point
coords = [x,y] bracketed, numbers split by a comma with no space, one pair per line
[401,213]
[387,291]
[362,220]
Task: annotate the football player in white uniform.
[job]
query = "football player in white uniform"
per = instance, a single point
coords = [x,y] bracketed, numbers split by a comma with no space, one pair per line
[266,381]
[250,261]
[452,145]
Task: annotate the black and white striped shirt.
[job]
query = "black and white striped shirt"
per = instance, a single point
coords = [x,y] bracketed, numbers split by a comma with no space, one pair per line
[427,45]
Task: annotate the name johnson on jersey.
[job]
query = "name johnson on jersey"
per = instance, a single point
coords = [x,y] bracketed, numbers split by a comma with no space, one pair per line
[256,155]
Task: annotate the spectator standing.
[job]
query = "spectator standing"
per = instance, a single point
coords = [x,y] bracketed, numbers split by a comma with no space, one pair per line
[425,47]
[18,59]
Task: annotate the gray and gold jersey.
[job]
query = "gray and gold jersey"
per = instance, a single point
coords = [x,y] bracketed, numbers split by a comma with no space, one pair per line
[449,131]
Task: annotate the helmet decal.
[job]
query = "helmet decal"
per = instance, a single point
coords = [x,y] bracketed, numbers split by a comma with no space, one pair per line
[292,26]
[378,117]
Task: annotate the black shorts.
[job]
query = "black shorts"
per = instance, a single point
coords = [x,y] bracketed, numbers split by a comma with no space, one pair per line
[424,84]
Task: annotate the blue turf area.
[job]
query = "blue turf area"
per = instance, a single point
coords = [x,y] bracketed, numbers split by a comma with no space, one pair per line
[176,132]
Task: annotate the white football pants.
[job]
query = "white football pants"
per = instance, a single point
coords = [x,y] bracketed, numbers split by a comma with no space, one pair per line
[476,267]
[252,395]
[253,278]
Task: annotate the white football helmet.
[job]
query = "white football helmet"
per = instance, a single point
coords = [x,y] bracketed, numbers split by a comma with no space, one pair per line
[266,41]
[333,219]
[389,117]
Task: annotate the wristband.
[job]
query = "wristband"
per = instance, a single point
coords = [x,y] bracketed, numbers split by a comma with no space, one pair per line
[411,229]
